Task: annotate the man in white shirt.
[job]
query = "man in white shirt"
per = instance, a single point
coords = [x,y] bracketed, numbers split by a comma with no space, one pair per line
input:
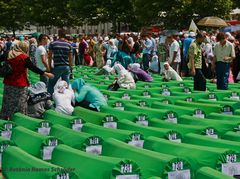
[174,53]
[224,53]
[41,56]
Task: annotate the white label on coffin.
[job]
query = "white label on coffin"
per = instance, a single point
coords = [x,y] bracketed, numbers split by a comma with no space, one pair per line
[126,96]
[166,93]
[235,97]
[211,133]
[2,148]
[142,121]
[183,174]
[231,169]
[112,125]
[77,125]
[120,108]
[8,126]
[6,134]
[228,113]
[142,104]
[63,176]
[171,118]
[44,130]
[126,168]
[227,110]
[173,137]
[94,149]
[199,114]
[136,141]
[106,97]
[127,177]
[47,152]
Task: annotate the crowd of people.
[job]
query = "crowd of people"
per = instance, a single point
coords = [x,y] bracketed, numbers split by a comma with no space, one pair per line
[131,57]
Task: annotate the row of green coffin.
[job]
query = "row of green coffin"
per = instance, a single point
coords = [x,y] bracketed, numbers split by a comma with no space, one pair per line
[123,124]
[17,164]
[94,129]
[151,163]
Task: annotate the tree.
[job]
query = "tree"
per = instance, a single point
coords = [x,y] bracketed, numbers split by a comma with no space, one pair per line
[13,16]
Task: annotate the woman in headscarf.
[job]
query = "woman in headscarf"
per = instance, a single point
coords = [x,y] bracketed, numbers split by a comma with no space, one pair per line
[125,79]
[106,69]
[170,74]
[99,53]
[38,100]
[138,73]
[32,49]
[111,49]
[63,97]
[16,84]
[87,96]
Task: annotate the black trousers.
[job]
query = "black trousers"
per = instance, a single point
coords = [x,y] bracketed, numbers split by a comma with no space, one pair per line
[199,81]
[85,104]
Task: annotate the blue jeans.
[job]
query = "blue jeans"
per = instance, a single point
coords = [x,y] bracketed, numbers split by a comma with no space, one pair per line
[58,71]
[222,72]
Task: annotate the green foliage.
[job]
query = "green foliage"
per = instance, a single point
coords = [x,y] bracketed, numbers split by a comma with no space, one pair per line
[135,13]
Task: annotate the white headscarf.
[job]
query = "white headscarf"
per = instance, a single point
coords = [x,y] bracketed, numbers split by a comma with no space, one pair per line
[60,87]
[38,88]
[119,68]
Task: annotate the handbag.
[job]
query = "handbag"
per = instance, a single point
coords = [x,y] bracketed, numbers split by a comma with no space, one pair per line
[5,69]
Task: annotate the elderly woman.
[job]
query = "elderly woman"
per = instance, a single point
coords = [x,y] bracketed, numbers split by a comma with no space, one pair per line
[87,96]
[170,74]
[16,84]
[38,100]
[63,97]
[125,79]
[138,73]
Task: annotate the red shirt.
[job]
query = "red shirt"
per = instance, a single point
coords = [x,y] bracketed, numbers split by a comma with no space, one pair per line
[19,74]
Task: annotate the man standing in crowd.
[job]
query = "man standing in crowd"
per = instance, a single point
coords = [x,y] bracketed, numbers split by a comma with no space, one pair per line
[174,53]
[60,52]
[195,63]
[224,53]
[41,57]
[147,49]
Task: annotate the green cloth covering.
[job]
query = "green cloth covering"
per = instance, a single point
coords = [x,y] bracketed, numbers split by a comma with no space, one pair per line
[78,140]
[221,126]
[32,123]
[197,156]
[233,136]
[180,110]
[237,112]
[209,173]
[17,164]
[224,117]
[64,120]
[151,163]
[146,130]
[105,133]
[207,108]
[31,142]
[181,128]
[89,116]
[200,140]
[233,104]
[88,166]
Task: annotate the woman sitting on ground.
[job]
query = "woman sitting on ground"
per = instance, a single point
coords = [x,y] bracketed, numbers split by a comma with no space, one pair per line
[63,97]
[38,100]
[170,74]
[87,96]
[138,73]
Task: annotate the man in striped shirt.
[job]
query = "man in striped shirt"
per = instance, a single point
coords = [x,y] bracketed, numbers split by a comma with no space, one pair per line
[60,52]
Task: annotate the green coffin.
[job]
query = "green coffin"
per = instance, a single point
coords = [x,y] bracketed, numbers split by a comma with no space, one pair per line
[198,156]
[79,140]
[41,126]
[88,166]
[72,122]
[17,164]
[151,163]
[33,143]
[209,173]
